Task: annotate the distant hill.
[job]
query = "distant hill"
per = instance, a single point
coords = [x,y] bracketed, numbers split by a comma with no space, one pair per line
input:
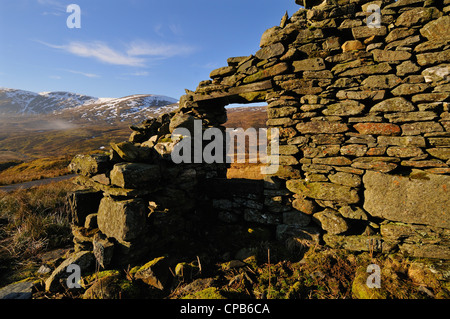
[77,108]
[246,117]
[36,125]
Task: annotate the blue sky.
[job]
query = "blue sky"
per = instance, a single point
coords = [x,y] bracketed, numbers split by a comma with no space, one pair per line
[127,47]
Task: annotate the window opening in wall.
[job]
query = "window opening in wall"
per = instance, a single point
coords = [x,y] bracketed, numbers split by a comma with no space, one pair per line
[244,117]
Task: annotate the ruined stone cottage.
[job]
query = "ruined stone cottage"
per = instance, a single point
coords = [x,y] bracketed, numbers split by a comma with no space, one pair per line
[363,115]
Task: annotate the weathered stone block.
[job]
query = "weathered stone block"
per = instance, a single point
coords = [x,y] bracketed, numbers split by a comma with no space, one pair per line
[407,67]
[271,51]
[337,161]
[331,221]
[321,127]
[377,128]
[345,179]
[353,212]
[380,68]
[89,165]
[314,64]
[352,45]
[360,243]
[437,73]
[419,128]
[324,191]
[379,166]
[402,141]
[396,104]
[425,164]
[304,205]
[130,152]
[363,32]
[430,97]
[417,16]
[222,72]
[433,57]
[402,117]
[267,73]
[135,175]
[439,141]
[321,151]
[399,33]
[441,153]
[354,150]
[390,56]
[344,108]
[420,199]
[437,30]
[123,220]
[381,81]
[404,152]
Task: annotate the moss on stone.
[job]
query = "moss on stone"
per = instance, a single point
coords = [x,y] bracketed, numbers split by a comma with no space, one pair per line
[208,293]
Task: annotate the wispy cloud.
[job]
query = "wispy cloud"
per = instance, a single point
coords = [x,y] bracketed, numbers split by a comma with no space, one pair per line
[158,50]
[139,73]
[56,7]
[99,51]
[170,29]
[55,77]
[176,29]
[88,75]
[136,55]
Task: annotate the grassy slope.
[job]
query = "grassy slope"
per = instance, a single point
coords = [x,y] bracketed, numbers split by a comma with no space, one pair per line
[47,153]
[32,222]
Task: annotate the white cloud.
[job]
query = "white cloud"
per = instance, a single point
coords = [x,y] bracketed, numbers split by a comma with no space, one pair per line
[55,77]
[57,7]
[134,55]
[88,75]
[139,73]
[99,51]
[161,50]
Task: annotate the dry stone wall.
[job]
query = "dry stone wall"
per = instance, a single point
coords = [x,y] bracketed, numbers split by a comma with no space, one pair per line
[364,123]
[364,126]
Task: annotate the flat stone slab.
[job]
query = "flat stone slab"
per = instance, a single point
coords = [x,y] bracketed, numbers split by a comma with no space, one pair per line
[420,198]
[20,290]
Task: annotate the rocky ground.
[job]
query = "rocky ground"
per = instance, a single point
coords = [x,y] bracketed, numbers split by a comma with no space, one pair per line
[217,266]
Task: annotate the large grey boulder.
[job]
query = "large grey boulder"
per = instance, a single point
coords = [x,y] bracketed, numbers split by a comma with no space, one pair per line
[123,220]
[416,199]
[83,259]
[135,175]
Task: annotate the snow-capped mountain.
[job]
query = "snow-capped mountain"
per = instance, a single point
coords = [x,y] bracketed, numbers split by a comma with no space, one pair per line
[15,102]
[134,108]
[81,108]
